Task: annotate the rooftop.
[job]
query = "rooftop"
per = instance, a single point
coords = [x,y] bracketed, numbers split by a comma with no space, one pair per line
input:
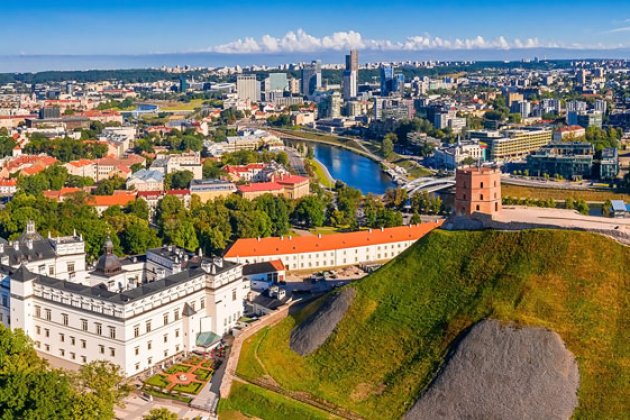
[294,245]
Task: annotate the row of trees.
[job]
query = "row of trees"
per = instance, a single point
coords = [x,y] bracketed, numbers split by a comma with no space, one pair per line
[65,149]
[31,389]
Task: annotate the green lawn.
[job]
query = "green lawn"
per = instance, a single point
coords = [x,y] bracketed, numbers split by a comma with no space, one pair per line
[191,388]
[321,175]
[518,191]
[177,369]
[253,401]
[406,315]
[158,380]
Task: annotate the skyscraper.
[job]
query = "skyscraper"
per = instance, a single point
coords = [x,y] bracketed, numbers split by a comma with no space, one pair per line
[391,81]
[248,88]
[311,77]
[351,75]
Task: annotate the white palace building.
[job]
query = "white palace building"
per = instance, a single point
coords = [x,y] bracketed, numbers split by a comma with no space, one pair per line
[135,312]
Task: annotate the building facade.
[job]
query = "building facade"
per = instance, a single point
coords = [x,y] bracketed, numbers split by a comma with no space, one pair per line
[477,190]
[135,312]
[329,251]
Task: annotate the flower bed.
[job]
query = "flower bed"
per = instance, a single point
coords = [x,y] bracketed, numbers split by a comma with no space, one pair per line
[178,369]
[203,374]
[160,381]
[191,388]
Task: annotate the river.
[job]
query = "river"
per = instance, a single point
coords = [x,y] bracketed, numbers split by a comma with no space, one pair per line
[353,169]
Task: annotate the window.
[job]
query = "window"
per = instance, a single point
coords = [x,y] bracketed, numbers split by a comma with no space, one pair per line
[136,331]
[62,337]
[481,197]
[150,361]
[38,329]
[165,353]
[101,349]
[202,303]
[112,332]
[73,341]
[233,294]
[136,351]
[64,318]
[83,344]
[477,207]
[177,333]
[48,314]
[149,345]
[73,355]
[166,338]
[148,326]
[99,328]
[112,352]
[62,352]
[137,366]
[176,314]
[47,332]
[166,318]
[481,185]
[47,347]
[51,270]
[177,348]
[70,267]
[84,324]
[83,359]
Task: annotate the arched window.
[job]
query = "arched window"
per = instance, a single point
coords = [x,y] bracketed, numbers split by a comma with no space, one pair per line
[496,206]
[481,197]
[477,207]
[481,185]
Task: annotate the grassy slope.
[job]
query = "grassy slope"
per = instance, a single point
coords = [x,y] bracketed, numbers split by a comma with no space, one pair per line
[253,401]
[393,339]
[559,194]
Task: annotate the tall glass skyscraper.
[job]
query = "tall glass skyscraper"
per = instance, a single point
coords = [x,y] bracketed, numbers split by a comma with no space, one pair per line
[311,77]
[391,81]
[351,75]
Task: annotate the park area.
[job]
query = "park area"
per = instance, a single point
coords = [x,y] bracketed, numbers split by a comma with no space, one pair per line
[183,380]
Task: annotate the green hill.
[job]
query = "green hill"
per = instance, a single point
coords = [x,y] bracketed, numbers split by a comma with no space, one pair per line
[404,318]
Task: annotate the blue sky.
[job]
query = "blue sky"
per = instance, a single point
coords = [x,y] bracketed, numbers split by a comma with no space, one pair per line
[139,27]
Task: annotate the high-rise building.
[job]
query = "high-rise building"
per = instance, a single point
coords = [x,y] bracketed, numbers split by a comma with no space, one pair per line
[391,81]
[183,84]
[601,105]
[311,77]
[352,60]
[276,82]
[351,75]
[248,88]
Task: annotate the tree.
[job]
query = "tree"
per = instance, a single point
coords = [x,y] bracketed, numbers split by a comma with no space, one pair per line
[160,414]
[100,389]
[108,186]
[251,224]
[178,180]
[310,211]
[278,209]
[137,236]
[387,148]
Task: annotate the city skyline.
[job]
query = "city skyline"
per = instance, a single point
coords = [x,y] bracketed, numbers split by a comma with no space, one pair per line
[71,27]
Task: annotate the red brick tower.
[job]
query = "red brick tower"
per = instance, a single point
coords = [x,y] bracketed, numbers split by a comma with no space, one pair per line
[477,190]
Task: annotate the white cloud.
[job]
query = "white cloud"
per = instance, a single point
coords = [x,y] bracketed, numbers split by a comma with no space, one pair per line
[300,41]
[621,29]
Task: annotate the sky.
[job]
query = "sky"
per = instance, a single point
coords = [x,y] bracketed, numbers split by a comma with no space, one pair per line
[92,27]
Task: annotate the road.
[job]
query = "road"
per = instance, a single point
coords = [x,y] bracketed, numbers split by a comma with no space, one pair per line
[566,185]
[296,161]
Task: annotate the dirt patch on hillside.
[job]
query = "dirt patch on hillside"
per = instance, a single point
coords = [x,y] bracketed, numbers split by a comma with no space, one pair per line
[500,372]
[314,330]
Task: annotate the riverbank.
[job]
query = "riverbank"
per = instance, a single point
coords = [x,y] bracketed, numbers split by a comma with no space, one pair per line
[321,173]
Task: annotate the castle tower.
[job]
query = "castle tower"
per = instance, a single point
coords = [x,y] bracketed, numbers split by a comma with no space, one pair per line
[477,190]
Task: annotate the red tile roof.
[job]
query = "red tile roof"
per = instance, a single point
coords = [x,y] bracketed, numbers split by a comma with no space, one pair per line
[283,246]
[259,187]
[120,198]
[290,179]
